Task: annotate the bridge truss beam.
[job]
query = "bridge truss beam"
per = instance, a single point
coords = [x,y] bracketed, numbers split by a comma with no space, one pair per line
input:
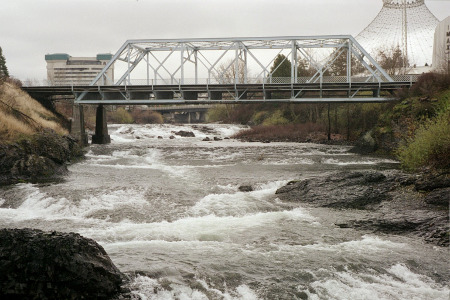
[185,70]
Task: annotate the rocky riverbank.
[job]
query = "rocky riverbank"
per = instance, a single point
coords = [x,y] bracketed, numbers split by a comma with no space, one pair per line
[399,203]
[51,265]
[41,157]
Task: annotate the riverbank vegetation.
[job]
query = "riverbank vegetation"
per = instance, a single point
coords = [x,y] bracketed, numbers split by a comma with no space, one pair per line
[421,120]
[34,144]
[414,128]
[21,116]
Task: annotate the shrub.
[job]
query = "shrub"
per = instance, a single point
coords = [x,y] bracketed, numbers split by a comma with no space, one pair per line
[147,117]
[277,118]
[218,113]
[430,145]
[290,132]
[14,81]
[430,84]
[120,116]
[259,117]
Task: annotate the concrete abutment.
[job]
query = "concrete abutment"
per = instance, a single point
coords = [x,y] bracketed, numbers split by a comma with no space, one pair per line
[77,129]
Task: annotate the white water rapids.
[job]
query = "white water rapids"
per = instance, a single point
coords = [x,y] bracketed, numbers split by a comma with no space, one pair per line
[170,214]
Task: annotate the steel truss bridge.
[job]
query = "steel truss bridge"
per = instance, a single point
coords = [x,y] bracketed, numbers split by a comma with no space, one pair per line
[237,70]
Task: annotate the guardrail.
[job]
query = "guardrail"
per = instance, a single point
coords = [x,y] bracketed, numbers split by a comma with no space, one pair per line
[212,81]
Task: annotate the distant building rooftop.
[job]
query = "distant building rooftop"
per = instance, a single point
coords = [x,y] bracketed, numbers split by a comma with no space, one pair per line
[57,56]
[65,56]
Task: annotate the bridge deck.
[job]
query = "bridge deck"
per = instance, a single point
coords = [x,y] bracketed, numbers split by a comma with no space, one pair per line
[225,93]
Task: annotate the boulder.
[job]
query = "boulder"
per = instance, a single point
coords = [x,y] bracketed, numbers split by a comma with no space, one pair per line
[439,197]
[183,133]
[430,181]
[339,190]
[51,265]
[39,158]
[245,188]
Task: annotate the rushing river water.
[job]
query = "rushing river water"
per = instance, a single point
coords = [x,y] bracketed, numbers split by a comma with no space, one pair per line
[169,212]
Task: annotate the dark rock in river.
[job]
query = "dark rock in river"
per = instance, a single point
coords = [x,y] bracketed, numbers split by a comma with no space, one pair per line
[396,206]
[340,190]
[39,265]
[246,188]
[431,181]
[41,157]
[184,133]
[439,197]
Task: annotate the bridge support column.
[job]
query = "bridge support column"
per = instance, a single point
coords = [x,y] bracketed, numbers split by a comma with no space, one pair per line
[202,118]
[77,129]
[376,93]
[101,135]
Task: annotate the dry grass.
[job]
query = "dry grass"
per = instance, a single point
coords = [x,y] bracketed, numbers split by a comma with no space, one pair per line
[22,115]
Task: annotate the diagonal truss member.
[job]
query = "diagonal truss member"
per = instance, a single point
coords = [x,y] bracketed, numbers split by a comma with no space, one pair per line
[235,63]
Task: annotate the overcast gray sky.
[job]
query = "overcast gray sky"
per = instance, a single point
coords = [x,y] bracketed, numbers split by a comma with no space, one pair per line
[29,29]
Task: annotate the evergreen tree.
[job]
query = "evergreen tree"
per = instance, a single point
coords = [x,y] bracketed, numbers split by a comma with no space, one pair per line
[3,68]
[281,67]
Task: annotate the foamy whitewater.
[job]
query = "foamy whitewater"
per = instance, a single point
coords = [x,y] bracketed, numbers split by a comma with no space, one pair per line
[170,214]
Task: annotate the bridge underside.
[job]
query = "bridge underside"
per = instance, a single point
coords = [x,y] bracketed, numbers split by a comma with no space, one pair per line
[240,93]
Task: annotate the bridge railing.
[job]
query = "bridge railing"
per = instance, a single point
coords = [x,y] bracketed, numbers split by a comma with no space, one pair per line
[214,81]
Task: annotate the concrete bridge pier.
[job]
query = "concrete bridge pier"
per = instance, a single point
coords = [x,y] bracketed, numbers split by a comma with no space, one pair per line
[201,117]
[77,129]
[101,135]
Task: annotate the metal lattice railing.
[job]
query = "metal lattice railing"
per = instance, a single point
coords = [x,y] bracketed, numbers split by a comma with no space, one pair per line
[215,81]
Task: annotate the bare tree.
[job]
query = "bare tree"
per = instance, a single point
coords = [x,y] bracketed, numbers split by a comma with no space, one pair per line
[226,72]
[393,61]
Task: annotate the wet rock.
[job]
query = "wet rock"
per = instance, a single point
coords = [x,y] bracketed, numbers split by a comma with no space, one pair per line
[183,133]
[245,188]
[396,206]
[431,181]
[339,190]
[217,138]
[39,158]
[160,137]
[432,227]
[34,166]
[439,197]
[171,137]
[40,265]
[366,144]
[206,139]
[400,223]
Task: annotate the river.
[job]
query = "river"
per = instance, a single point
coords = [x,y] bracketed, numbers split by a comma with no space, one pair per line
[170,214]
